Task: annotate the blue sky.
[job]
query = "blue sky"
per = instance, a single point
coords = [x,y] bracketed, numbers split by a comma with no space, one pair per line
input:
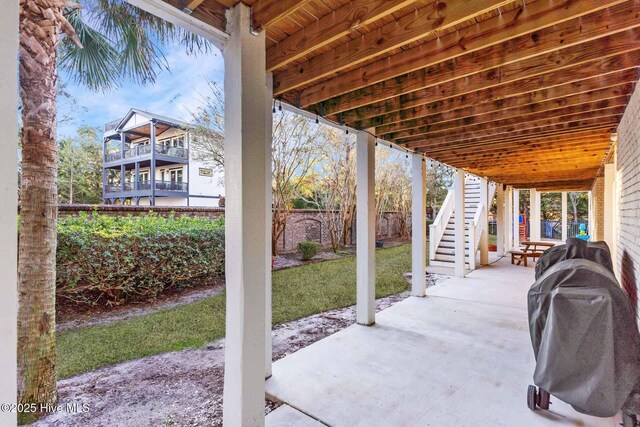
[174,93]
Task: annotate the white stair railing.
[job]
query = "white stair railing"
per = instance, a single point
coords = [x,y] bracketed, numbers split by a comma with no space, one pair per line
[436,230]
[476,227]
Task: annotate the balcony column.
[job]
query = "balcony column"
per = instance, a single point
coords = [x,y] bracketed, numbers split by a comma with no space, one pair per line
[8,207]
[152,166]
[516,219]
[365,229]
[534,213]
[460,223]
[484,220]
[246,262]
[123,175]
[105,181]
[418,225]
[500,219]
[136,178]
[564,216]
[123,138]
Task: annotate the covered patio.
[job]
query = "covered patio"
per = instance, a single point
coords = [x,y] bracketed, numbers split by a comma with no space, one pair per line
[513,94]
[461,356]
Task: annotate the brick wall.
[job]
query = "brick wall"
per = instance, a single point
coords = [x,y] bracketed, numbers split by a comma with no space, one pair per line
[302,224]
[597,200]
[628,190]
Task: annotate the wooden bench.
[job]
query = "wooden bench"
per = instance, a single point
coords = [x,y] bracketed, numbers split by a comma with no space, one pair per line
[522,256]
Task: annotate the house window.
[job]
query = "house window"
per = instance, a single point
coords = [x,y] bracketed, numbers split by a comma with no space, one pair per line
[144,176]
[175,175]
[175,142]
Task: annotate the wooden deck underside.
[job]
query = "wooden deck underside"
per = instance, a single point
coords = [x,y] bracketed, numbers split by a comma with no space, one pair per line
[526,93]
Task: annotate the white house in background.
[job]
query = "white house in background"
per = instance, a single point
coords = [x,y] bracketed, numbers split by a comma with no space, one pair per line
[147,162]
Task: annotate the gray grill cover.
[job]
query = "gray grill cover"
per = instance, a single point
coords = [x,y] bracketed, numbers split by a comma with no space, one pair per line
[584,337]
[596,251]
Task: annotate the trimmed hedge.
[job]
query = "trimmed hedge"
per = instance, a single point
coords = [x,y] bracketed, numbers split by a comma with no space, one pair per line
[308,249]
[105,260]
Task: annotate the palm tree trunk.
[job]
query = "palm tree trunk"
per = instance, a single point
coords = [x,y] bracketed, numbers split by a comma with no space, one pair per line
[40,24]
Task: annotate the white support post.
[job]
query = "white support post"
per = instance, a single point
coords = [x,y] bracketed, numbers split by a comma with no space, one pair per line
[418,226]
[245,158]
[268,146]
[590,215]
[484,219]
[460,225]
[516,219]
[534,213]
[365,229]
[500,219]
[508,209]
[9,207]
[564,216]
[152,167]
[609,207]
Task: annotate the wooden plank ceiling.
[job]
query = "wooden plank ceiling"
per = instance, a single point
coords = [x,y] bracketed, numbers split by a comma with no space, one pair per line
[526,93]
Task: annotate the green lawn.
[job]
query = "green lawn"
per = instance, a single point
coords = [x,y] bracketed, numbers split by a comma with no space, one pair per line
[297,292]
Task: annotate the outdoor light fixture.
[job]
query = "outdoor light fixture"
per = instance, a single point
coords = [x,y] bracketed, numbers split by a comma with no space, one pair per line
[274,105]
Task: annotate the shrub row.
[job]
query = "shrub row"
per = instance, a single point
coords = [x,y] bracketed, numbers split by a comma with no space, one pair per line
[105,260]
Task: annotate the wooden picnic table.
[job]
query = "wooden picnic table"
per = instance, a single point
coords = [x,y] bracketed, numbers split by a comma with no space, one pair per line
[530,250]
[528,244]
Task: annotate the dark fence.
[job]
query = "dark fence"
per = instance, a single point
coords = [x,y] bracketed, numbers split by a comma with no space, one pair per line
[548,229]
[553,229]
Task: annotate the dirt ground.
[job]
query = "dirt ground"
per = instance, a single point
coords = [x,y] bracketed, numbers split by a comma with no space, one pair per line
[72,319]
[182,388]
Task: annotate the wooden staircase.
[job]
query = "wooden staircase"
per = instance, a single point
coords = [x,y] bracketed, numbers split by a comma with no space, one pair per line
[442,232]
[445,250]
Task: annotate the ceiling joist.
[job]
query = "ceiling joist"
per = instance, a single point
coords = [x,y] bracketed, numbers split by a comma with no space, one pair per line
[438,15]
[524,93]
[499,29]
[502,62]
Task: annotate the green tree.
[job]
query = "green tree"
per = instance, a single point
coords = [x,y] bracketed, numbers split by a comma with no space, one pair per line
[108,42]
[551,206]
[207,133]
[80,168]
[296,150]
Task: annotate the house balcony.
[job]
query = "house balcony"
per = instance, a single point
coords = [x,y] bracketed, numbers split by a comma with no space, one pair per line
[111,126]
[144,188]
[138,153]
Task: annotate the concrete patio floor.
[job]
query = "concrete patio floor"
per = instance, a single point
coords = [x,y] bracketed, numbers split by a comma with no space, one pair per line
[459,357]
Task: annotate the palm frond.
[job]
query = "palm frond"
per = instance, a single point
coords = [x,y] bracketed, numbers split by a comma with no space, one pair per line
[121,42]
[95,65]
